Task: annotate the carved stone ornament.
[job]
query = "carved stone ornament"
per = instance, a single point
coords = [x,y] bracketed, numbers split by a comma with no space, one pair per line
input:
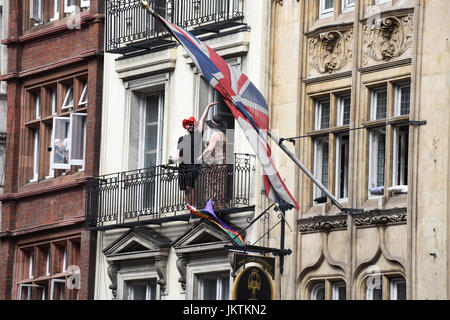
[330,51]
[322,223]
[113,269]
[161,268]
[380,218]
[387,38]
[182,263]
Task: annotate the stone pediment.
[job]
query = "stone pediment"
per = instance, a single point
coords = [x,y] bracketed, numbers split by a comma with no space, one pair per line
[139,242]
[202,237]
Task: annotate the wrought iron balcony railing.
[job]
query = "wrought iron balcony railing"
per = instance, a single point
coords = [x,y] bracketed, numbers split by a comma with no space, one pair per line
[129,28]
[155,193]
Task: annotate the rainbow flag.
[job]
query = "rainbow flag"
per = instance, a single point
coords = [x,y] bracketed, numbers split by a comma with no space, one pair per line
[208,214]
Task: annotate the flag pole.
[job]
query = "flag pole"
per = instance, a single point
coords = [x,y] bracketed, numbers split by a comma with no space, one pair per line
[304,169]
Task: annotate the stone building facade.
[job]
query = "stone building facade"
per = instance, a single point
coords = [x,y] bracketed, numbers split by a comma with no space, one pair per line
[54,77]
[368,83]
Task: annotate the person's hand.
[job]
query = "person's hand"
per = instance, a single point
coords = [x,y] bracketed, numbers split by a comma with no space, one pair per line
[199,159]
[212,104]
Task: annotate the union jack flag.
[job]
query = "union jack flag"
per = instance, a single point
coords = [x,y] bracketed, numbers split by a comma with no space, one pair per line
[245,102]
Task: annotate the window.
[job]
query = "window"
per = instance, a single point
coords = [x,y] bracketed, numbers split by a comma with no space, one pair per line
[381,1]
[318,291]
[55,115]
[348,5]
[322,114]
[400,155]
[142,290]
[344,110]
[342,158]
[44,270]
[38,12]
[385,286]
[328,289]
[339,290]
[376,161]
[214,286]
[379,104]
[320,165]
[326,8]
[332,114]
[397,289]
[151,129]
[402,99]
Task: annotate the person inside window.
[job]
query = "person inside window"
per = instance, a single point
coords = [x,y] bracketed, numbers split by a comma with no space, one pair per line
[61,151]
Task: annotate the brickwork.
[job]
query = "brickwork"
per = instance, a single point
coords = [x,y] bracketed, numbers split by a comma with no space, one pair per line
[46,207]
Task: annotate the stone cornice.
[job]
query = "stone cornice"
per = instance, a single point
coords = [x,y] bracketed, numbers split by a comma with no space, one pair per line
[44,190]
[85,20]
[363,219]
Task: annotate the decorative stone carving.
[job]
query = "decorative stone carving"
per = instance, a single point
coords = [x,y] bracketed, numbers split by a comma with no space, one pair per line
[182,263]
[161,268]
[322,223]
[379,217]
[330,51]
[387,38]
[113,270]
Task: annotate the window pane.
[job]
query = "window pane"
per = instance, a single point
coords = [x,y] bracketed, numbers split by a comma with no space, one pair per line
[149,159]
[346,111]
[68,100]
[318,292]
[324,178]
[405,100]
[324,115]
[209,289]
[329,4]
[225,292]
[381,104]
[139,292]
[339,291]
[61,141]
[342,163]
[380,160]
[78,127]
[151,114]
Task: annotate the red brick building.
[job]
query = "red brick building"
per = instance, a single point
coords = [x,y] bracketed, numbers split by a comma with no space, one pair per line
[55,69]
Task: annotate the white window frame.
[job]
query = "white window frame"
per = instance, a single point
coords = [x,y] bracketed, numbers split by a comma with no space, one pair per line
[55,10]
[315,289]
[77,162]
[335,289]
[218,276]
[403,156]
[339,144]
[374,99]
[37,103]
[53,101]
[323,13]
[318,161]
[47,263]
[85,3]
[54,165]
[31,266]
[36,13]
[69,8]
[318,113]
[83,97]
[52,288]
[393,287]
[29,287]
[340,110]
[35,155]
[70,134]
[347,5]
[398,98]
[66,104]
[373,157]
[381,1]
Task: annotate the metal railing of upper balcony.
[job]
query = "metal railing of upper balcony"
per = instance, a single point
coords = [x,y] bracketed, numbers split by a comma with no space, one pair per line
[129,28]
[156,193]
